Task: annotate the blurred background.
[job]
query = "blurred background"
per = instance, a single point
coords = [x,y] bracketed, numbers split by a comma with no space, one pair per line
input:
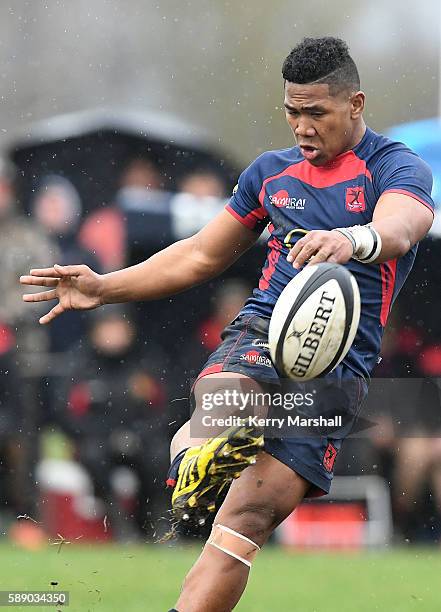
[123,127]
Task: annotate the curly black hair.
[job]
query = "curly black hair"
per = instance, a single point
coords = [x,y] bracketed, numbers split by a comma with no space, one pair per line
[322,60]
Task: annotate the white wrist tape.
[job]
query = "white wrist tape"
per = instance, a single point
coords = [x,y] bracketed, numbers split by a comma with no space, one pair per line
[366,241]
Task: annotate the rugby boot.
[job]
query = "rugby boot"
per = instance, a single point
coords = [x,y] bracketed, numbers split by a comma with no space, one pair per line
[206,472]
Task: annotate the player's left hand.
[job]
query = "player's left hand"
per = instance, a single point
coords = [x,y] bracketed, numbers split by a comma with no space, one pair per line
[318,246]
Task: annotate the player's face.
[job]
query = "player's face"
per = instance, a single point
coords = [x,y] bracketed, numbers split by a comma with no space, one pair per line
[324,125]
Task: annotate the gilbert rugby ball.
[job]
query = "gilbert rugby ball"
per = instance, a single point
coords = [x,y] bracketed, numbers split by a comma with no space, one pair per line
[314,321]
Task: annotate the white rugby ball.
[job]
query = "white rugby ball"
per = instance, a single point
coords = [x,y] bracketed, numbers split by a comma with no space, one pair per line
[314,321]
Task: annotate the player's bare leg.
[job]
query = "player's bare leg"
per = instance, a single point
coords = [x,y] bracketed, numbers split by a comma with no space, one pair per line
[257,502]
[182,439]
[210,383]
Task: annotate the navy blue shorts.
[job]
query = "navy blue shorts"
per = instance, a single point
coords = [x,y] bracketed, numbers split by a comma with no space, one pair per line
[244,349]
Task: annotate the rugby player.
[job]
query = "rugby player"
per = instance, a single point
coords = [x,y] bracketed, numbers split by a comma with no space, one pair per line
[343,194]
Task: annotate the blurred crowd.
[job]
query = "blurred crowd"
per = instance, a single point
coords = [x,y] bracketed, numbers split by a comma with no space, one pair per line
[113,384]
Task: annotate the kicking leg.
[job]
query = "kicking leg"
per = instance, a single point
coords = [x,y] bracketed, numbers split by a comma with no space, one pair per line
[263,497]
[201,474]
[183,440]
[210,383]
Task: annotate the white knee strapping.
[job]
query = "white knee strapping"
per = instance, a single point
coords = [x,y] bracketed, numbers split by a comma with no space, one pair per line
[234,544]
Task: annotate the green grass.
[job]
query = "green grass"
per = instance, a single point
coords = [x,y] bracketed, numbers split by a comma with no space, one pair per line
[134,579]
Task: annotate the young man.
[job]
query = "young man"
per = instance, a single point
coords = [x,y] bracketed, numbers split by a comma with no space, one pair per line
[340,175]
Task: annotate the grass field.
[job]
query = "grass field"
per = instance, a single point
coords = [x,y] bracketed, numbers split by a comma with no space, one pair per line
[134,579]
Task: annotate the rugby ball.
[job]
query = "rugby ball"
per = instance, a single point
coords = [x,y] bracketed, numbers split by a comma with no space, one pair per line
[314,321]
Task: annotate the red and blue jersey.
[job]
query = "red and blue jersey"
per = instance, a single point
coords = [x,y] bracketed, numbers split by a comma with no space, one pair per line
[283,191]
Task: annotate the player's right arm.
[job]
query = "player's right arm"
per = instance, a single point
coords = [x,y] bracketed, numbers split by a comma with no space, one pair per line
[180,266]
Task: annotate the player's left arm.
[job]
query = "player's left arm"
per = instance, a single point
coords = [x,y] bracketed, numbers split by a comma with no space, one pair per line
[400,221]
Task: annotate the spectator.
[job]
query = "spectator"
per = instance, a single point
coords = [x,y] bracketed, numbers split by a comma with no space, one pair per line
[203,183]
[116,414]
[201,198]
[11,452]
[18,448]
[104,230]
[416,481]
[57,208]
[23,245]
[141,173]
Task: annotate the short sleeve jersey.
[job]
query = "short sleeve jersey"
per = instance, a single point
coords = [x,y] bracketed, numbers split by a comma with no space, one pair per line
[283,191]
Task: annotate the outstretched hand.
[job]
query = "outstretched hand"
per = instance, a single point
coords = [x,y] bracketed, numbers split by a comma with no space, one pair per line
[75,288]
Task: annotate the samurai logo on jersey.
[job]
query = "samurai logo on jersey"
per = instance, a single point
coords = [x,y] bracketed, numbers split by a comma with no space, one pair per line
[255,358]
[282,199]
